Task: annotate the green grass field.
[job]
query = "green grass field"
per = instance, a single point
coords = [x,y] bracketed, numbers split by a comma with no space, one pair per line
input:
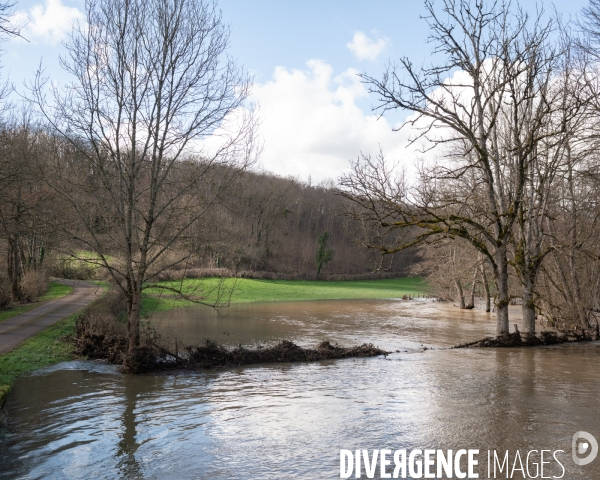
[249,290]
[55,290]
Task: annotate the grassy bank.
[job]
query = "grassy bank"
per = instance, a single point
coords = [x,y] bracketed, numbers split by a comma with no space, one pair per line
[249,290]
[55,290]
[46,348]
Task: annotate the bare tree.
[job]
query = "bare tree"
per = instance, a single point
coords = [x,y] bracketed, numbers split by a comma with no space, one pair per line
[570,293]
[559,150]
[151,82]
[478,117]
[452,269]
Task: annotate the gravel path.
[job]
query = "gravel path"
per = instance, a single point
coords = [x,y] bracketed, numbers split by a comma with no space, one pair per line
[17,329]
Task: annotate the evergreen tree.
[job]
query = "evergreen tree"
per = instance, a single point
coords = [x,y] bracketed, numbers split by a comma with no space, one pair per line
[324,254]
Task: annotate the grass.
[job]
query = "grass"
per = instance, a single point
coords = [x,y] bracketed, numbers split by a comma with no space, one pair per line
[46,348]
[55,290]
[250,290]
[85,257]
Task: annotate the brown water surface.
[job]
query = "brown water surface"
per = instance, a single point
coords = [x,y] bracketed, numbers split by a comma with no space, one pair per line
[389,324]
[85,420]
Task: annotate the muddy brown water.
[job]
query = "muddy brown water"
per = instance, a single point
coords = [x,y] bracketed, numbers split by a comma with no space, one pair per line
[85,420]
[389,324]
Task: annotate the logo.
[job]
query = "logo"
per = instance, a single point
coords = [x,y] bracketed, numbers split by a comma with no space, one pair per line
[588,444]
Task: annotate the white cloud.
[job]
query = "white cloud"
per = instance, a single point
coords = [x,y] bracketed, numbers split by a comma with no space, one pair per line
[48,22]
[311,123]
[365,48]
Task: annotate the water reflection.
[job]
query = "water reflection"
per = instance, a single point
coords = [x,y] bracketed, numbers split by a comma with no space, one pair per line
[84,420]
[128,445]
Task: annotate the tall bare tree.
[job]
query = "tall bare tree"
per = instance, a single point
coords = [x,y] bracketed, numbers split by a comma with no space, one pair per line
[560,148]
[570,290]
[488,119]
[151,81]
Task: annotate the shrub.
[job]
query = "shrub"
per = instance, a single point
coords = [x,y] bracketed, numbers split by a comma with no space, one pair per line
[101,333]
[169,275]
[73,269]
[34,283]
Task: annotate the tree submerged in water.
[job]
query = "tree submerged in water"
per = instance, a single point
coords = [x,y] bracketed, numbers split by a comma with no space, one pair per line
[324,254]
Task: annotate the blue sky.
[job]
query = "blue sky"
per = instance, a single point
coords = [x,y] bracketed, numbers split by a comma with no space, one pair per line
[304,56]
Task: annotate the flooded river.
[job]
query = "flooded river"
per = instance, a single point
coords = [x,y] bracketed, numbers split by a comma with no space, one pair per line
[85,420]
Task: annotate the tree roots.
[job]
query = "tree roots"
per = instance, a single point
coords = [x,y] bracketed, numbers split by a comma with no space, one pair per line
[519,339]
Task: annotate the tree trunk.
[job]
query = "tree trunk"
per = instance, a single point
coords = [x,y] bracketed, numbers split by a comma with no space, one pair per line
[461,295]
[133,325]
[568,293]
[528,309]
[502,299]
[13,268]
[578,302]
[473,286]
[486,287]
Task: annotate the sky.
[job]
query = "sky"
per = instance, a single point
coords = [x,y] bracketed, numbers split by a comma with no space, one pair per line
[304,56]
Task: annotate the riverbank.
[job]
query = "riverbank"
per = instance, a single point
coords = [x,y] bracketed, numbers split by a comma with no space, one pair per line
[234,290]
[48,347]
[12,366]
[55,323]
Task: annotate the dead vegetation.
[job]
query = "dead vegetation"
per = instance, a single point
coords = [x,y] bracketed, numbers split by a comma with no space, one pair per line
[178,274]
[517,339]
[31,285]
[213,355]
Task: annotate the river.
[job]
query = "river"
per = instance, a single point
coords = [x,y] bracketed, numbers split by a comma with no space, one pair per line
[86,420]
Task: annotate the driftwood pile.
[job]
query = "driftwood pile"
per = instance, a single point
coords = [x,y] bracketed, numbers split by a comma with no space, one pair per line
[213,355]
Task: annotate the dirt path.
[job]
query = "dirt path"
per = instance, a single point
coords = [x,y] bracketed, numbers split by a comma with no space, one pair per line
[18,329]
